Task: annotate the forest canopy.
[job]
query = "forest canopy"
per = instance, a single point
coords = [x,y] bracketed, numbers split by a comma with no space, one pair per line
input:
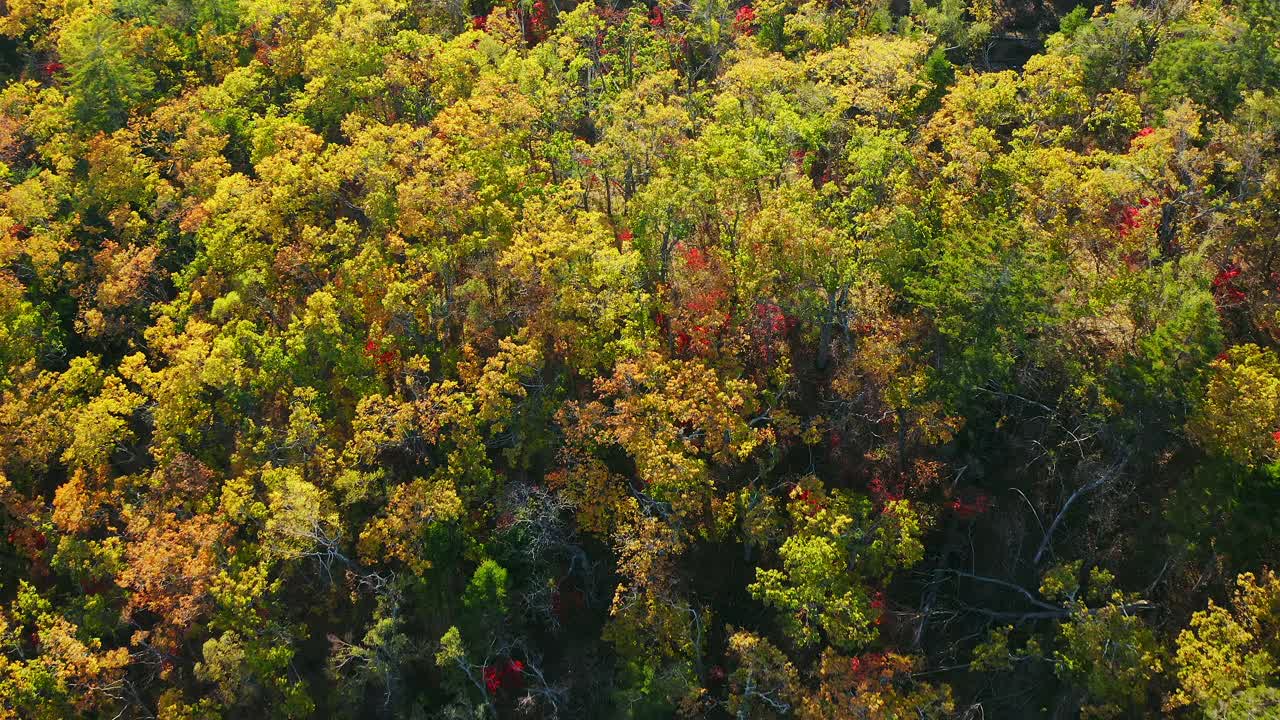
[758,359]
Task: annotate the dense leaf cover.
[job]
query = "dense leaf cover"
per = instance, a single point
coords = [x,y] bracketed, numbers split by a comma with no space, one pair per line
[426,359]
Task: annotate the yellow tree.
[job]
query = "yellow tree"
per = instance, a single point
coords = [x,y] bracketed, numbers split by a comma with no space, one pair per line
[1228,659]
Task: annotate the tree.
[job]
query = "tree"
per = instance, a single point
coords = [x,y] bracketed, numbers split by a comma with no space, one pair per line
[764,684]
[169,574]
[876,686]
[1227,658]
[106,81]
[838,545]
[1109,651]
[253,672]
[1240,412]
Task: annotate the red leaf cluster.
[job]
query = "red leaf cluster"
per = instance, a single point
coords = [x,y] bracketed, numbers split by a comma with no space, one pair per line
[682,341]
[707,320]
[866,664]
[707,302]
[771,318]
[969,509]
[877,604]
[814,504]
[1131,218]
[382,358]
[883,493]
[506,675]
[770,325]
[694,257]
[1225,290]
[29,540]
[538,18]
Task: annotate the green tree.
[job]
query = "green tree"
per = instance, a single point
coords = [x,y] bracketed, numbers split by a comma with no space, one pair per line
[106,80]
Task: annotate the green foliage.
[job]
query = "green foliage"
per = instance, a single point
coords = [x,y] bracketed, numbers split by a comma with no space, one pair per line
[1111,45]
[106,79]
[817,590]
[486,596]
[1215,55]
[1111,653]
